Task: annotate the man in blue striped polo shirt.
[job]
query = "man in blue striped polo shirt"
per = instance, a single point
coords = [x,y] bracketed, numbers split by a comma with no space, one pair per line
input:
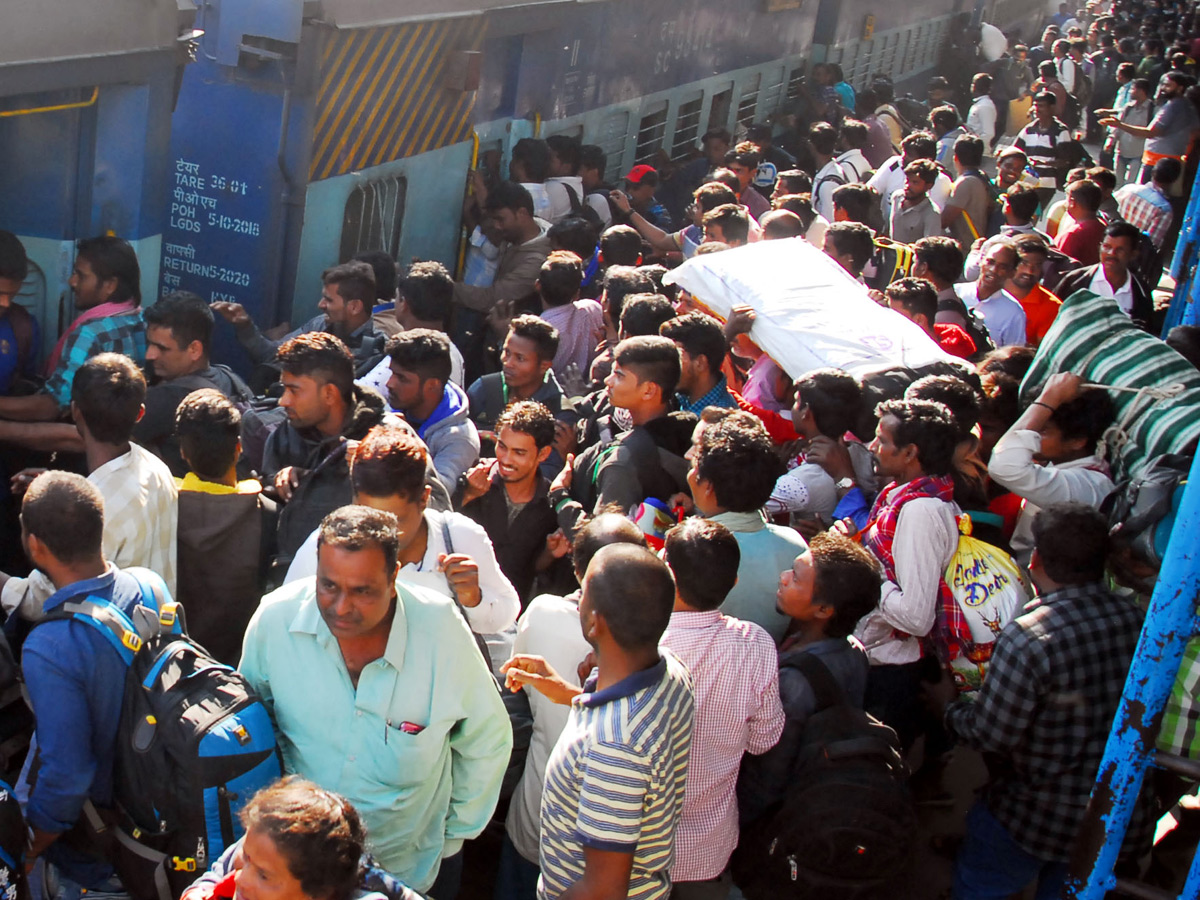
[615,780]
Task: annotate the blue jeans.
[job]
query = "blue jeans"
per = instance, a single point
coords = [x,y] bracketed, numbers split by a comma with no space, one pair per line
[517,877]
[991,866]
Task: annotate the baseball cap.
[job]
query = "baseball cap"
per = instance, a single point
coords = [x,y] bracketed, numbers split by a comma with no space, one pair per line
[637,173]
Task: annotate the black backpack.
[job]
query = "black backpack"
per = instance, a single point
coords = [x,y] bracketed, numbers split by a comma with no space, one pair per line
[1138,506]
[195,743]
[846,825]
[975,326]
[583,210]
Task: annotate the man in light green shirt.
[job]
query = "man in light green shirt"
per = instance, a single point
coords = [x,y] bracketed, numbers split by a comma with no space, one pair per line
[379,692]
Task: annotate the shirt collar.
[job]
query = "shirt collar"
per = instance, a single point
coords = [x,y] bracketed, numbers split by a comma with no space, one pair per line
[627,686]
[695,619]
[741,521]
[308,620]
[87,586]
[119,462]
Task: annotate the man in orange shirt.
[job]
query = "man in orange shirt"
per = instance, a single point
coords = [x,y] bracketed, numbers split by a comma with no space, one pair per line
[1039,304]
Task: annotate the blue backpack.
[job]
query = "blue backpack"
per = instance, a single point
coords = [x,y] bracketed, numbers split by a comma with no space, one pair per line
[195,743]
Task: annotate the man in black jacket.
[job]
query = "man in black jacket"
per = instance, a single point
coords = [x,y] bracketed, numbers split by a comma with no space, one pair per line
[1113,276]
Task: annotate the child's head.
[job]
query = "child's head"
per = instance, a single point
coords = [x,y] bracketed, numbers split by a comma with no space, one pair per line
[704,556]
[830,586]
[208,426]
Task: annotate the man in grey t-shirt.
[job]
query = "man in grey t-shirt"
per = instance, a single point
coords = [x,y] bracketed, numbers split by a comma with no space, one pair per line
[1168,133]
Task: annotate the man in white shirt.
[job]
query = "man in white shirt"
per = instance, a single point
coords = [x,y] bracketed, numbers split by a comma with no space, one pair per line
[830,176]
[889,177]
[1112,277]
[981,118]
[854,137]
[1002,313]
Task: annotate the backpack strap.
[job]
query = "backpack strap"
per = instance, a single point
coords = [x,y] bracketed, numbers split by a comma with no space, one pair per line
[576,204]
[117,628]
[828,692]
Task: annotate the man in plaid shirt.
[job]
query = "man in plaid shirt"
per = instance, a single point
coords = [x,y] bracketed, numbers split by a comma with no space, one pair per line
[1044,713]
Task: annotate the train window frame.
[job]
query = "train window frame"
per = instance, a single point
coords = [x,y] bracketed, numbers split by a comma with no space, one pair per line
[720,107]
[685,136]
[613,138]
[652,131]
[387,196]
[748,99]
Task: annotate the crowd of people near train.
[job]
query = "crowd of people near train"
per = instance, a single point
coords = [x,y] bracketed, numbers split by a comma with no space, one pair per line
[559,480]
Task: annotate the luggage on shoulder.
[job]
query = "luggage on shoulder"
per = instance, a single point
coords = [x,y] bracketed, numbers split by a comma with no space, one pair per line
[194,744]
[844,829]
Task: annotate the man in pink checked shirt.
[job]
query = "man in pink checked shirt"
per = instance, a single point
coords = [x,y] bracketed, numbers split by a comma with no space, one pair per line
[735,676]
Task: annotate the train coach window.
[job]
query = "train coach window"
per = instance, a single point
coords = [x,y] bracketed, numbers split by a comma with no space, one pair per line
[374,217]
[795,86]
[748,104]
[687,127]
[718,112]
[611,139]
[771,95]
[651,130]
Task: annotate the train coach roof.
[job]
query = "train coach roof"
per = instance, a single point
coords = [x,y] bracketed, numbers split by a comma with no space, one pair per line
[357,13]
[38,31]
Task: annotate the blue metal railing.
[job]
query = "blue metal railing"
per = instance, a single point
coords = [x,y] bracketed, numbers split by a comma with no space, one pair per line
[1184,270]
[1170,622]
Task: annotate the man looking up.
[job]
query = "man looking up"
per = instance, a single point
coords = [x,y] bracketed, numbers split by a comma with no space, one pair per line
[702,348]
[380,694]
[1003,315]
[507,495]
[178,338]
[615,780]
[347,301]
[420,387]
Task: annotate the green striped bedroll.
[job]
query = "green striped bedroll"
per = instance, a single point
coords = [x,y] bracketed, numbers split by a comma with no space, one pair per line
[1094,339]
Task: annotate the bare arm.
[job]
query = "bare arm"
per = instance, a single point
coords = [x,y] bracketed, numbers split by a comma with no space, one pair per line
[605,876]
[652,234]
[44,436]
[39,407]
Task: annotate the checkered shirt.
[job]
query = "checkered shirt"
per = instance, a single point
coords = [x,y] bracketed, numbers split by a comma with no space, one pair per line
[125,333]
[718,396]
[1180,732]
[1046,709]
[1144,206]
[735,676]
[141,512]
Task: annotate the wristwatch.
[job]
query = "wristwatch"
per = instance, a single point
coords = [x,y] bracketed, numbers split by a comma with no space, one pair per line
[844,484]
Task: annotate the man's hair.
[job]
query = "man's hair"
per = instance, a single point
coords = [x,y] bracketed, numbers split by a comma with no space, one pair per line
[834,398]
[727,177]
[944,117]
[1185,340]
[185,315]
[744,154]
[712,194]
[700,335]
[560,278]
[621,282]
[1013,360]
[1182,79]
[1032,245]
[1023,201]
[929,426]
[942,255]
[320,356]
[567,149]
[847,577]
[1128,69]
[855,134]
[208,426]
[798,204]
[424,352]
[1123,229]
[357,528]
[1142,84]
[656,273]
[113,257]
[716,134]
[853,238]
[574,234]
[428,291]
[982,82]
[109,390]
[620,245]
[318,833]
[389,462]
[599,531]
[541,333]
[1087,416]
[916,295]
[919,145]
[65,512]
[795,181]
[592,156]
[534,155]
[1046,69]
[645,314]
[823,138]
[1103,177]
[1087,194]
[779,224]
[531,418]
[1062,44]
[509,195]
[1167,171]
[733,220]
[737,457]
[384,267]
[858,201]
[633,591]
[354,281]
[925,169]
[651,358]
[1072,542]
[704,556]
[968,150]
[953,393]
[14,264]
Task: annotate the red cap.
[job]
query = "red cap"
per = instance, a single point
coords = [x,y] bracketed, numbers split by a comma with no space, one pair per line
[637,173]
